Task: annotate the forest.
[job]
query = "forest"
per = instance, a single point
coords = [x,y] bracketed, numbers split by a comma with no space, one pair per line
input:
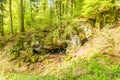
[59,39]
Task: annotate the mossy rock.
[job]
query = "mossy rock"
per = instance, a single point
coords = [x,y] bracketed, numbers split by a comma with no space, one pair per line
[44,51]
[34,58]
[41,58]
[37,37]
[30,52]
[20,41]
[14,55]
[27,59]
[48,42]
[24,59]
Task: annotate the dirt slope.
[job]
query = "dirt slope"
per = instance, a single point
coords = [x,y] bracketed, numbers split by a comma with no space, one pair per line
[104,41]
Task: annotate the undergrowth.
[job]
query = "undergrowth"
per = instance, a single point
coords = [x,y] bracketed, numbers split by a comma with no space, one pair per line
[99,67]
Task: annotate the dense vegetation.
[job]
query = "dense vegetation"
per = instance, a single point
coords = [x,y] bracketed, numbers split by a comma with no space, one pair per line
[59,39]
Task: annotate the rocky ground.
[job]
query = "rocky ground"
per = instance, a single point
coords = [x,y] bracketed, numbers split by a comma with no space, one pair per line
[105,42]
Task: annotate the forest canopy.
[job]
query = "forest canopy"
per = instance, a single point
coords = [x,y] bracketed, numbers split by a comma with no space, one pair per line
[38,13]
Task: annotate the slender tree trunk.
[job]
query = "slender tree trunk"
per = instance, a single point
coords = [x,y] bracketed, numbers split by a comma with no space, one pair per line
[22,29]
[31,11]
[74,2]
[52,10]
[71,7]
[59,16]
[11,21]
[2,21]
[67,7]
[2,33]
[44,5]
[56,8]
[59,10]
[63,8]
[44,8]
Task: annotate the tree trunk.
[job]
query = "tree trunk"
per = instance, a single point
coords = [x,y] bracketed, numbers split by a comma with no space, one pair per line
[59,10]
[22,29]
[59,16]
[51,10]
[67,7]
[2,21]
[31,11]
[72,7]
[63,8]
[44,6]
[11,21]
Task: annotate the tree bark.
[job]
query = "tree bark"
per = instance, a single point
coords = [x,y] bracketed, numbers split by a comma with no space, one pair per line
[52,10]
[2,21]
[59,10]
[22,29]
[11,20]
[72,7]
[31,10]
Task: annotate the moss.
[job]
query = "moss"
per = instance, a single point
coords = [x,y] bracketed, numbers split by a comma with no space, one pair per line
[27,59]
[41,58]
[23,58]
[20,41]
[14,55]
[1,46]
[34,58]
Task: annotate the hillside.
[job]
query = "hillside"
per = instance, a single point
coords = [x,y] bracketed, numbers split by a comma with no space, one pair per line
[96,56]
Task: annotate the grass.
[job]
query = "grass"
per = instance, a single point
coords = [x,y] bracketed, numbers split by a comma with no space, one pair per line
[15,76]
[97,68]
[93,69]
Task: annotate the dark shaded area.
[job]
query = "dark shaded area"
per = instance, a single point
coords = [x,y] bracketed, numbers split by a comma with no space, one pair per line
[84,41]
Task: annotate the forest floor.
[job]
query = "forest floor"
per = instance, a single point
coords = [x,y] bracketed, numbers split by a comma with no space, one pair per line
[103,49]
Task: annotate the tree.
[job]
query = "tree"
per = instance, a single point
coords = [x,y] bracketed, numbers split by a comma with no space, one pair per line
[31,10]
[52,9]
[44,5]
[22,29]
[72,6]
[59,11]
[1,17]
[11,20]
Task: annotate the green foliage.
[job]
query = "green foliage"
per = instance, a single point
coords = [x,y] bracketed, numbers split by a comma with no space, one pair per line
[38,13]
[92,70]
[14,53]
[34,58]
[29,77]
[92,7]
